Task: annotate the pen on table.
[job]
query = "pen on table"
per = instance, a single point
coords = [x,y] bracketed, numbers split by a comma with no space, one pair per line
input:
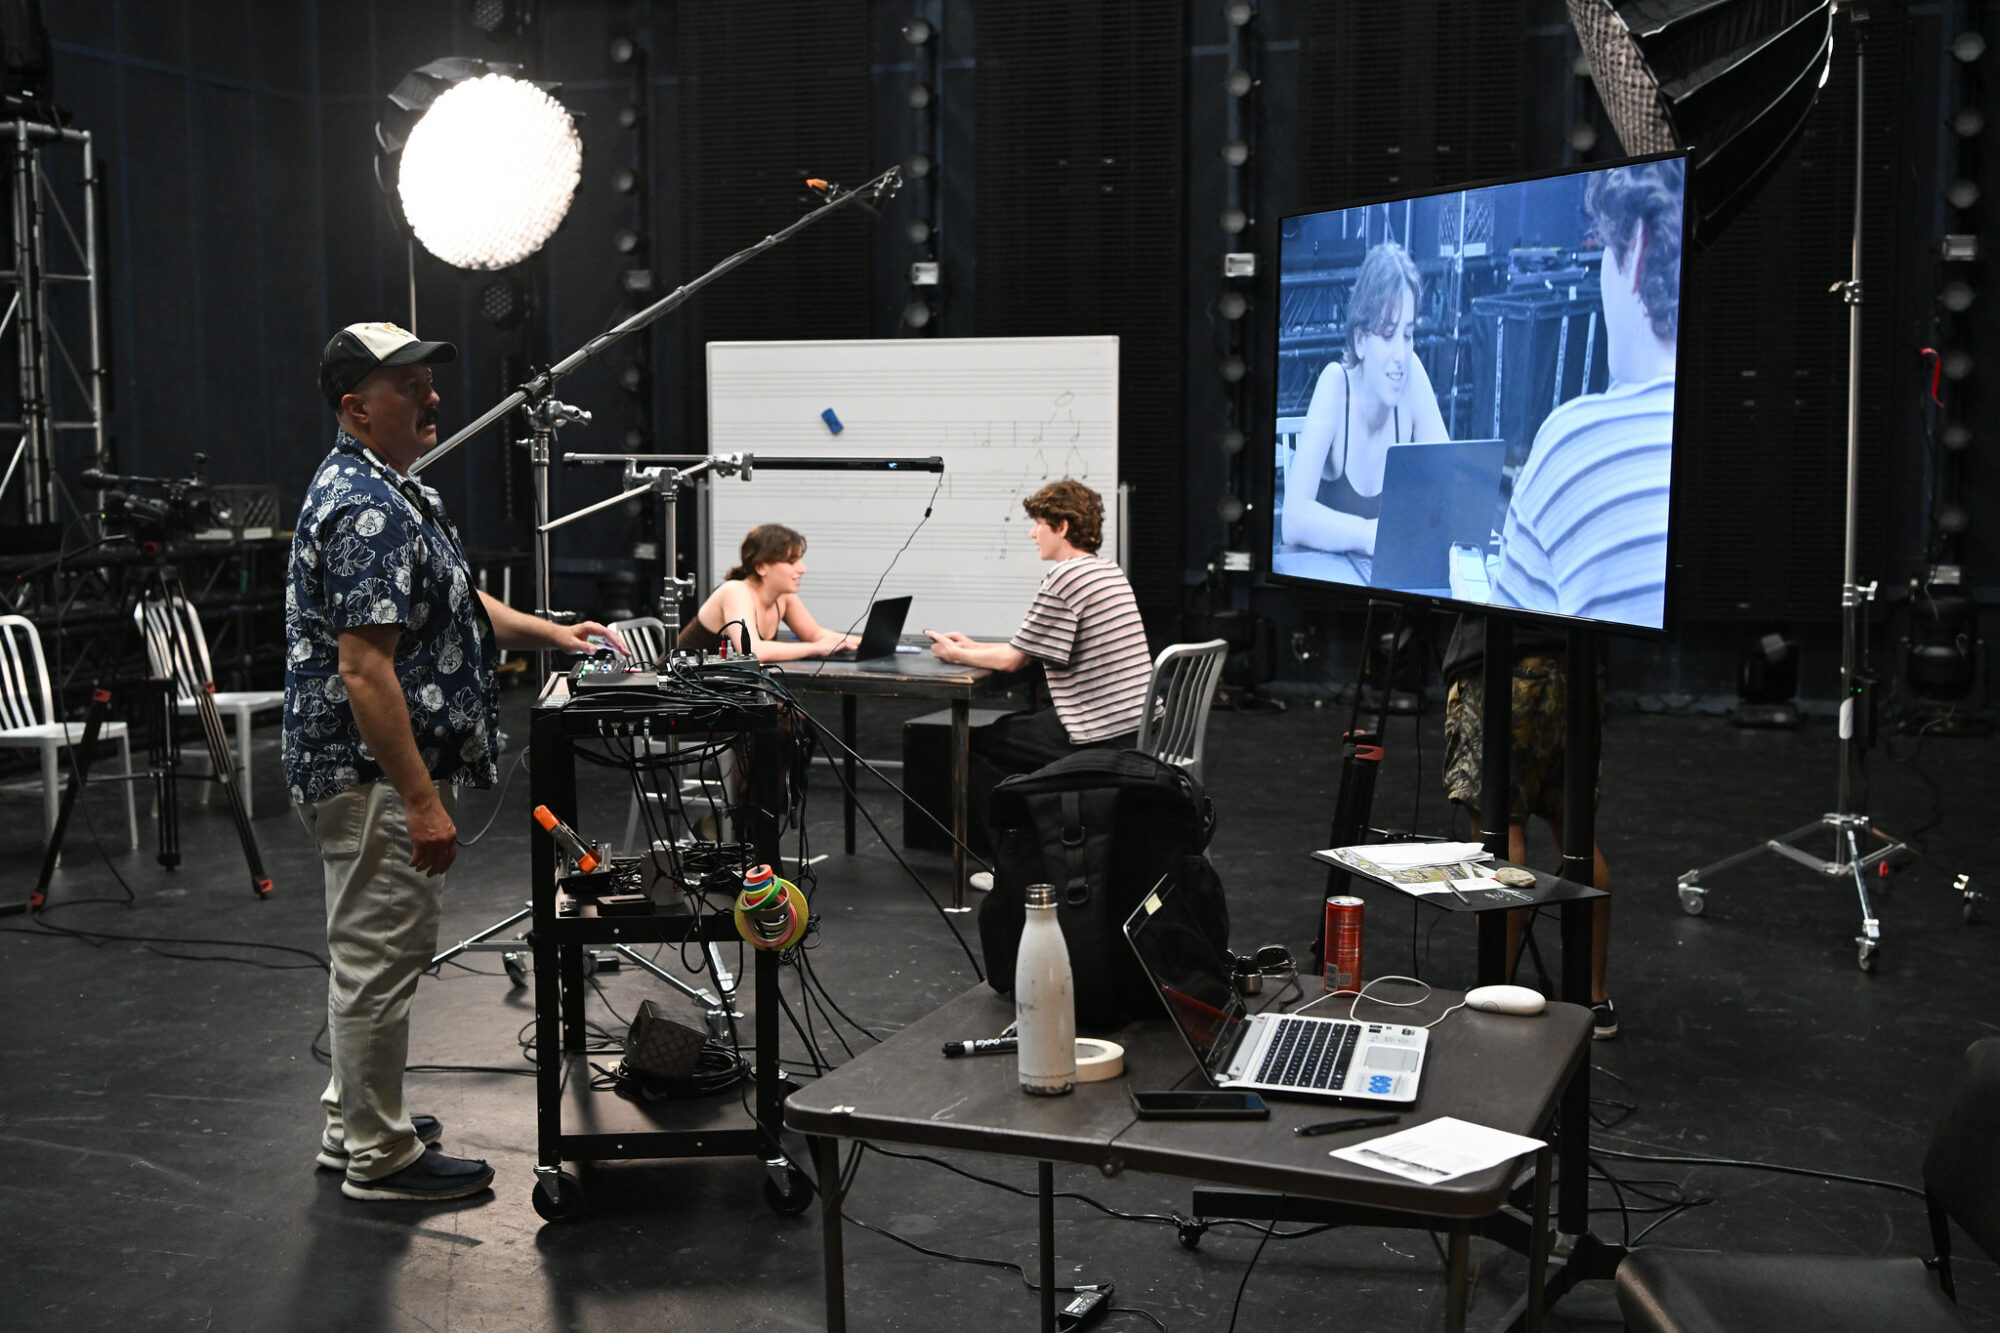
[1335,1126]
[981,1046]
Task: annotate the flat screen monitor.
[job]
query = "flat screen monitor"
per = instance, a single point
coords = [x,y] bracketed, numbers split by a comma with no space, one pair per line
[1475,395]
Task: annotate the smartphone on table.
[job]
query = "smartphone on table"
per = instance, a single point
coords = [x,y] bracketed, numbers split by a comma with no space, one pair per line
[1199,1104]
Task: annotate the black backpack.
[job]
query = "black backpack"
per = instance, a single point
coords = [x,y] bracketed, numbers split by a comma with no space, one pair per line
[1102,826]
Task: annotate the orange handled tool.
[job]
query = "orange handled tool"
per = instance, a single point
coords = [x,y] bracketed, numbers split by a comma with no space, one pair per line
[586,856]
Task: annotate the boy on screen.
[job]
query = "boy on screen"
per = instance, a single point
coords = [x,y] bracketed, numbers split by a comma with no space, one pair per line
[1586,533]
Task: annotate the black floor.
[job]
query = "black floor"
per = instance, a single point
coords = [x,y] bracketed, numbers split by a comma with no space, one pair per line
[158,1114]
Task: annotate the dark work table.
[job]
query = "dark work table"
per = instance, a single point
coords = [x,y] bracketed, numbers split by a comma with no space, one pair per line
[1507,1072]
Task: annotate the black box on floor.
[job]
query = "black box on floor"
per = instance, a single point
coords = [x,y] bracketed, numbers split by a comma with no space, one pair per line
[927,779]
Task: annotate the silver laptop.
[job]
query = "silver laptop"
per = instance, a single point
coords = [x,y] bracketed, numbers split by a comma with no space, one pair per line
[1283,1054]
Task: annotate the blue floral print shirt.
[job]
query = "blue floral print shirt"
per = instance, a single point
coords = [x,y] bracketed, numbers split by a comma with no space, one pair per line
[374,547]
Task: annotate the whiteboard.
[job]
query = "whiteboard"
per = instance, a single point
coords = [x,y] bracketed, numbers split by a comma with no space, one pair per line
[1005,414]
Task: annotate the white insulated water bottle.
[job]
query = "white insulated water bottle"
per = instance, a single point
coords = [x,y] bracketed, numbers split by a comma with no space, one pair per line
[1044,1000]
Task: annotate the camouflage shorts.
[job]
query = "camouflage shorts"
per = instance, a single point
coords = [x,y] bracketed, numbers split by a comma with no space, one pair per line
[1540,697]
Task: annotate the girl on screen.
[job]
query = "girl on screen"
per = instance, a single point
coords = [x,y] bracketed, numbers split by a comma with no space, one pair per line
[1376,395]
[759,594]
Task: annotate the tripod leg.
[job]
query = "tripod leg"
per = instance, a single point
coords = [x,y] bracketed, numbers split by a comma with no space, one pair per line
[225,773]
[166,760]
[1869,942]
[79,757]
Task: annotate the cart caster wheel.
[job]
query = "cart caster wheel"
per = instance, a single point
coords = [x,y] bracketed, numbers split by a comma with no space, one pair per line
[515,961]
[793,1198]
[1867,954]
[1191,1233]
[1694,901]
[568,1201]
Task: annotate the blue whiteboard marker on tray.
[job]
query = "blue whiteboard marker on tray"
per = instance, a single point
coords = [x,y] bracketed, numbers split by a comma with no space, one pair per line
[832,421]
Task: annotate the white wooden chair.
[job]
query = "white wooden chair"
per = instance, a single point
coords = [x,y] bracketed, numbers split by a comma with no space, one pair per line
[28,719]
[646,636]
[192,673]
[1175,722]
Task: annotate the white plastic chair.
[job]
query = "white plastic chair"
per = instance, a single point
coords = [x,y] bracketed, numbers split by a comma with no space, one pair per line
[192,674]
[1175,723]
[28,719]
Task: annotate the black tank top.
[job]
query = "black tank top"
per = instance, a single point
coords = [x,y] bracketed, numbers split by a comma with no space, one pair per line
[1338,492]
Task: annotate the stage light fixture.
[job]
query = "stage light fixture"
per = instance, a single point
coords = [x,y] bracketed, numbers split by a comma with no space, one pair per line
[1732,81]
[629,117]
[1962,193]
[1232,368]
[1233,305]
[1953,518]
[1231,508]
[483,164]
[1235,152]
[919,96]
[1968,47]
[1955,436]
[501,17]
[622,50]
[1958,247]
[1238,83]
[637,441]
[632,377]
[1957,297]
[638,281]
[918,230]
[625,180]
[1957,364]
[917,166]
[917,314]
[1239,12]
[1583,136]
[1967,121]
[627,242]
[1234,220]
[1232,440]
[918,31]
[504,302]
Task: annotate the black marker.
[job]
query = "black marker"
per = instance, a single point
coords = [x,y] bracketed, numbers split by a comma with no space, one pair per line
[983,1046]
[1335,1126]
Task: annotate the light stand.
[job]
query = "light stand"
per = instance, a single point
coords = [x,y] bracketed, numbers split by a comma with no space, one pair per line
[1847,824]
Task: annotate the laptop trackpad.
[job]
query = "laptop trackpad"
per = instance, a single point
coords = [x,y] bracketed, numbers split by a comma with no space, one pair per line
[1400,1059]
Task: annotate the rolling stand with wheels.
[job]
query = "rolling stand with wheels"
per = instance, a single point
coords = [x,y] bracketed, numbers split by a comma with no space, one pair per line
[574,1122]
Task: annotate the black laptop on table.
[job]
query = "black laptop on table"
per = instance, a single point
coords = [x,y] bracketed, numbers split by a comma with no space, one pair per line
[1287,1055]
[880,635]
[1434,497]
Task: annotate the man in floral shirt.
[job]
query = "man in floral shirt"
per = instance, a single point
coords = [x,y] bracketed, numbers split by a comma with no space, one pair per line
[390,705]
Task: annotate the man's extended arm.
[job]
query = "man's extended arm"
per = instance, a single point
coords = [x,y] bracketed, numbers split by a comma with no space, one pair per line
[368,670]
[521,632]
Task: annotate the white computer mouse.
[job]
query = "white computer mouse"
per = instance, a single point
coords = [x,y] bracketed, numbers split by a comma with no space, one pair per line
[1505,999]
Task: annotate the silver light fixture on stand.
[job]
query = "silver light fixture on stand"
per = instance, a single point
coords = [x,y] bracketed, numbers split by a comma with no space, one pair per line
[1733,83]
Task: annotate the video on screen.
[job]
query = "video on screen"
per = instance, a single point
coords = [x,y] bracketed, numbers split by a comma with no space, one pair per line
[1475,394]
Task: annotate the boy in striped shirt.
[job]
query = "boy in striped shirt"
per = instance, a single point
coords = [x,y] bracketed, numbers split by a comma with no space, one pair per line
[1084,629]
[1586,533]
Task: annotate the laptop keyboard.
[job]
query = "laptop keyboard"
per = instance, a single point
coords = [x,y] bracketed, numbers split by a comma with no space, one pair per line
[1308,1054]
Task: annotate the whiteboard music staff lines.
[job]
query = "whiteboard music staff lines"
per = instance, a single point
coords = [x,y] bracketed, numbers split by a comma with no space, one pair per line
[1006,415]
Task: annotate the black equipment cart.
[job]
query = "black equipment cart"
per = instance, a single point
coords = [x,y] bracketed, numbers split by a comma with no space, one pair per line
[574,1122]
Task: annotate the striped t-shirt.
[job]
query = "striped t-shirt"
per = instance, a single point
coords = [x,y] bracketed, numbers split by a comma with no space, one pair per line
[1083,627]
[1586,534]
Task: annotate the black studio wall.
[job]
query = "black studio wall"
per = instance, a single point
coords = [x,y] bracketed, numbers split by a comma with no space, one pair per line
[1076,189]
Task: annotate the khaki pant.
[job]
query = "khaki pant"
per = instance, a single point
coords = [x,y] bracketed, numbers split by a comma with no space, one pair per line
[381,933]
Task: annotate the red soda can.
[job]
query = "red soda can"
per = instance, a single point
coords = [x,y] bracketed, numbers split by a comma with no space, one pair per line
[1342,947]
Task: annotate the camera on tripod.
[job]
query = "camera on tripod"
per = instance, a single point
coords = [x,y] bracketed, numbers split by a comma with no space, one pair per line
[179,506]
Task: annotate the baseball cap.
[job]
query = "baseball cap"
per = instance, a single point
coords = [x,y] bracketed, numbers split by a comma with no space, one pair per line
[359,350]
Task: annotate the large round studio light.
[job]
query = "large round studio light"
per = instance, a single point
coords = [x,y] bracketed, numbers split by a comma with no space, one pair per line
[483,164]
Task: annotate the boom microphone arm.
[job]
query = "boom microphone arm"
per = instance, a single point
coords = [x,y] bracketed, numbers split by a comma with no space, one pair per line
[537,388]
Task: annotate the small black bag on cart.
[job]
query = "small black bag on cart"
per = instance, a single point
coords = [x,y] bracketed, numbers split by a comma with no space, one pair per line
[1102,826]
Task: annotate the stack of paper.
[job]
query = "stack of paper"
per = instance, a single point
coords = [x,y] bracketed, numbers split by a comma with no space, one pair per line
[1415,855]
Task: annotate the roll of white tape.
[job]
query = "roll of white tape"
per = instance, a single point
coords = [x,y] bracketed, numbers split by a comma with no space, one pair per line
[1098,1060]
